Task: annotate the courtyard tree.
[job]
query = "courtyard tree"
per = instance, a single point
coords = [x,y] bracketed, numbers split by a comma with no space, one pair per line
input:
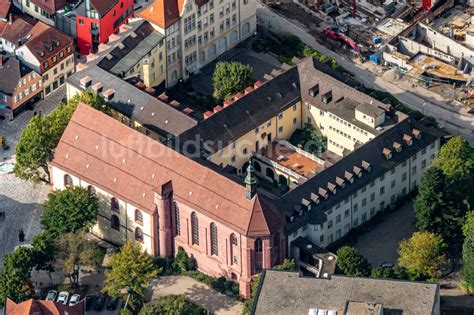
[75,250]
[130,269]
[435,209]
[287,265]
[41,136]
[456,159]
[173,305]
[69,210]
[350,263]
[92,99]
[230,78]
[423,256]
[15,275]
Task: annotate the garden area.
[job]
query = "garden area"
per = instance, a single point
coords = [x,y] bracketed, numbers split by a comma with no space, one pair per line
[310,140]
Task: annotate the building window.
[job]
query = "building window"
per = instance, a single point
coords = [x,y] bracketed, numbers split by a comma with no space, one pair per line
[382,190]
[115,222]
[194,229]
[177,220]
[214,240]
[138,216]
[114,204]
[258,245]
[233,239]
[67,180]
[138,234]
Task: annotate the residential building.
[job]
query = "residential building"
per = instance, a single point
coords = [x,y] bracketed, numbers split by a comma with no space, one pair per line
[19,85]
[135,108]
[15,33]
[98,19]
[5,10]
[40,307]
[196,32]
[50,53]
[282,292]
[42,10]
[155,196]
[261,208]
[140,55]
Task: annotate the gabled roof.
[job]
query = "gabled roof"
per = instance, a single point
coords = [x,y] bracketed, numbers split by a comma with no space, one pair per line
[131,166]
[18,30]
[103,6]
[163,13]
[136,104]
[5,8]
[36,307]
[44,35]
[11,71]
[51,6]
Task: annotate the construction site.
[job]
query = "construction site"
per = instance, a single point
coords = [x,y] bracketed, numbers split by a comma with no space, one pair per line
[430,42]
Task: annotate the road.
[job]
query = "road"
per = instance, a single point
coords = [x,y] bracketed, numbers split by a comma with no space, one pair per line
[454,118]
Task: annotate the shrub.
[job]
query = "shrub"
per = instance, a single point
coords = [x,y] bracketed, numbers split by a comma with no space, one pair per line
[182,262]
[173,305]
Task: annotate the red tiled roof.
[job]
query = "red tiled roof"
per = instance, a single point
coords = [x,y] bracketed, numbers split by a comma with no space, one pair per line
[5,8]
[51,6]
[163,12]
[103,6]
[19,29]
[132,166]
[42,34]
[34,307]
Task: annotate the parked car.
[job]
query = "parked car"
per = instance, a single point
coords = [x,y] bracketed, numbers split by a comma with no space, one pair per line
[63,297]
[112,304]
[99,303]
[89,301]
[52,295]
[75,298]
[386,265]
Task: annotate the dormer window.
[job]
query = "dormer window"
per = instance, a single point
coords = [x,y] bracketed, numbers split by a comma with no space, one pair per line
[357,171]
[408,139]
[416,133]
[314,90]
[323,193]
[326,97]
[332,187]
[367,167]
[397,146]
[340,182]
[306,203]
[315,198]
[387,153]
[349,177]
[292,218]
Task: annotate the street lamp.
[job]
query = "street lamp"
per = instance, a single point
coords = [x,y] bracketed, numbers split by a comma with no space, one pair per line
[424,104]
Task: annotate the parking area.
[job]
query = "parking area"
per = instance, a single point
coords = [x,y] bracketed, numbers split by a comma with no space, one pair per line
[260,62]
[380,245]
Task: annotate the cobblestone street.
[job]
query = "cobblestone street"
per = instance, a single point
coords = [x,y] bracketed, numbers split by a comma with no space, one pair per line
[21,200]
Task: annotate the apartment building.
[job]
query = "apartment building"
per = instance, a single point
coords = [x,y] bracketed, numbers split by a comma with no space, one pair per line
[140,55]
[19,85]
[15,33]
[50,53]
[96,20]
[42,10]
[196,32]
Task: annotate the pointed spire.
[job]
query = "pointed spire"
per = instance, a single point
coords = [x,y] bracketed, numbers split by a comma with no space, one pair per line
[250,182]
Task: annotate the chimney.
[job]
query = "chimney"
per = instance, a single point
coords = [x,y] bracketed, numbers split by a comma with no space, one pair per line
[250,182]
[10,19]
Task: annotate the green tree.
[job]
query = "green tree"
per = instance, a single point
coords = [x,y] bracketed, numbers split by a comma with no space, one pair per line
[435,210]
[173,305]
[350,263]
[182,262]
[44,251]
[468,223]
[92,99]
[15,275]
[467,271]
[287,265]
[76,251]
[131,269]
[69,210]
[456,159]
[230,78]
[41,136]
[395,272]
[423,256]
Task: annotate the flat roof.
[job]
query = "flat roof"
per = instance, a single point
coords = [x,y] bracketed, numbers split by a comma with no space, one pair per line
[287,293]
[289,158]
[442,70]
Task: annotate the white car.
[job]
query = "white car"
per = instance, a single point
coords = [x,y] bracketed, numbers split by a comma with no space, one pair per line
[75,298]
[63,297]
